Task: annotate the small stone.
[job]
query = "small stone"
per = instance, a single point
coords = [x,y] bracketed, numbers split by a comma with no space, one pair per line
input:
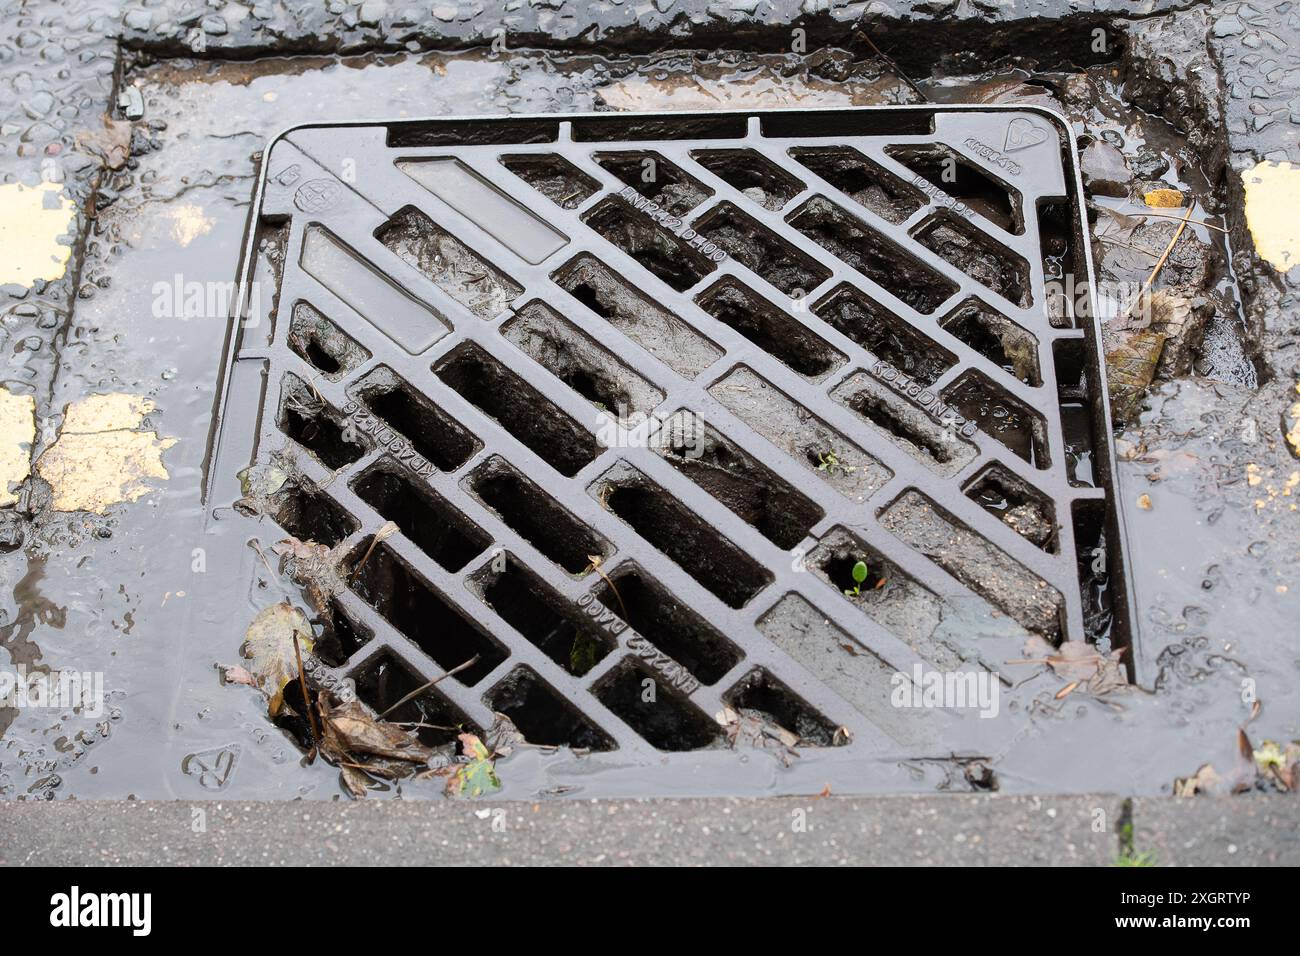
[1104,171]
[372,12]
[138,19]
[213,26]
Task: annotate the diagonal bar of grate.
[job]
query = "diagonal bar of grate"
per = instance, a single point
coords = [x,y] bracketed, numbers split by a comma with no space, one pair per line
[728,359]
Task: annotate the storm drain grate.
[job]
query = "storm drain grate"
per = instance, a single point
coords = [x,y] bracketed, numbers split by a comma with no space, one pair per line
[729,359]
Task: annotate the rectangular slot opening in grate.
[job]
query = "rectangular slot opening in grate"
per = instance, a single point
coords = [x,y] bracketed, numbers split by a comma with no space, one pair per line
[753,174]
[1093,556]
[997,338]
[519,408]
[1000,416]
[308,420]
[542,714]
[429,431]
[666,719]
[863,180]
[659,251]
[571,637]
[978,255]
[1017,504]
[721,567]
[904,423]
[760,695]
[983,567]
[343,636]
[630,311]
[323,345]
[886,336]
[656,179]
[1077,419]
[761,251]
[737,479]
[880,260]
[434,719]
[772,329]
[554,177]
[489,131]
[424,516]
[580,362]
[417,611]
[960,179]
[812,443]
[817,123]
[1057,243]
[448,263]
[668,624]
[311,515]
[536,517]
[609,129]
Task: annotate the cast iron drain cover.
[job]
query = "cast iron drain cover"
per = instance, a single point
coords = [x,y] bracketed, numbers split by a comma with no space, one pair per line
[644,395]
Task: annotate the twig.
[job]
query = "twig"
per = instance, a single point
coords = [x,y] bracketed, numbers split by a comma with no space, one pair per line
[387,531]
[302,682]
[595,560]
[257,546]
[861,35]
[1195,222]
[423,687]
[1168,249]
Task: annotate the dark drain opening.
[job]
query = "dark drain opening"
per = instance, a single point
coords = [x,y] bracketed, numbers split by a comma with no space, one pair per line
[870,253]
[414,608]
[1056,238]
[431,716]
[579,362]
[885,335]
[654,710]
[537,517]
[733,576]
[429,521]
[839,570]
[1094,572]
[761,251]
[542,715]
[658,250]
[483,132]
[325,346]
[839,124]
[1077,418]
[1017,504]
[312,424]
[519,408]
[309,515]
[343,637]
[554,177]
[435,435]
[762,695]
[862,180]
[448,263]
[909,427]
[773,330]
[756,176]
[978,255]
[999,415]
[959,178]
[658,616]
[738,480]
[997,338]
[566,635]
[656,179]
[631,312]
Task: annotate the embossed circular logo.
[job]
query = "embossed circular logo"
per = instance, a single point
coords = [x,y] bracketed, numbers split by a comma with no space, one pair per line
[317,195]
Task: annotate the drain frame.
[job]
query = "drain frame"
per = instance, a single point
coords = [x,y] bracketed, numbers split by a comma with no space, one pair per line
[353,216]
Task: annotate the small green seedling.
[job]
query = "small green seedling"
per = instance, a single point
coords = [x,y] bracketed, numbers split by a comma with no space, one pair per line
[830,463]
[859,577]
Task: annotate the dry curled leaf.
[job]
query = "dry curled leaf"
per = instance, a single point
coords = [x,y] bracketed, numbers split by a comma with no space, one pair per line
[350,729]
